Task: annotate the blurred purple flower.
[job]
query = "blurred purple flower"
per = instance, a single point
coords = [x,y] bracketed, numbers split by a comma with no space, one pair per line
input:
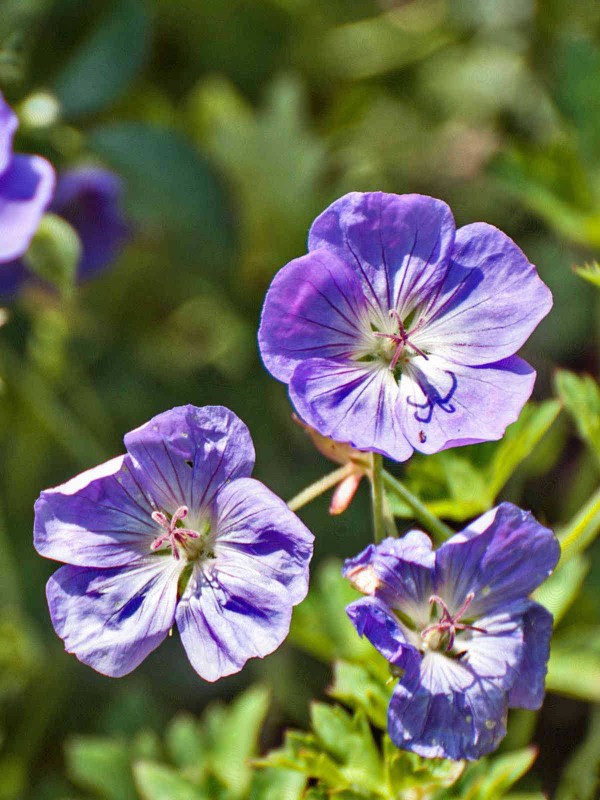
[26,187]
[173,531]
[398,332]
[89,199]
[458,629]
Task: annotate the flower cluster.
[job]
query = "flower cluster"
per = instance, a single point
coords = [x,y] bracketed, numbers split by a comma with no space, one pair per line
[457,627]
[397,332]
[26,187]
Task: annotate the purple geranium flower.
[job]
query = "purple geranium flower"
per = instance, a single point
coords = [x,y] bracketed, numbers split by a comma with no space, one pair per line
[89,199]
[398,332]
[458,629]
[26,187]
[173,531]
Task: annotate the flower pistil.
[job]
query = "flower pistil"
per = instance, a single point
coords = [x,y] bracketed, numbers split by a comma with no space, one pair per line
[441,635]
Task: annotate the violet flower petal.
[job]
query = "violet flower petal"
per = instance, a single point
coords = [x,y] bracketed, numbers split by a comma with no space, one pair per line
[183,455]
[8,125]
[398,244]
[528,690]
[111,619]
[229,614]
[401,573]
[26,187]
[489,303]
[255,525]
[351,402]
[101,518]
[446,715]
[503,564]
[442,404]
[89,199]
[325,309]
[371,618]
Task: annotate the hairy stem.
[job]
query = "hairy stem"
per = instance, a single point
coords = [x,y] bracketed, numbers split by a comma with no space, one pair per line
[377,497]
[319,487]
[435,526]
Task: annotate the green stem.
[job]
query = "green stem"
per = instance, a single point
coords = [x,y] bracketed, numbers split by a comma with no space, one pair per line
[435,526]
[377,498]
[319,487]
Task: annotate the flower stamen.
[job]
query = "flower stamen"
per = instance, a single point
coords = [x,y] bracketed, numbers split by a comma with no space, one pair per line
[400,339]
[174,536]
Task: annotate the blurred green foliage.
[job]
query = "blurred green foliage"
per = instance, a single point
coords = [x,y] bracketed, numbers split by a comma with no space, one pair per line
[233,123]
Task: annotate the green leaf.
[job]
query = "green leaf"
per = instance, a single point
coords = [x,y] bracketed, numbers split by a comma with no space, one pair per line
[408,772]
[168,182]
[581,531]
[20,653]
[590,273]
[271,783]
[186,745]
[302,752]
[562,587]
[491,778]
[157,782]
[101,765]
[460,485]
[236,739]
[582,683]
[581,397]
[54,252]
[577,75]
[581,777]
[320,625]
[350,741]
[107,62]
[341,754]
[519,442]
[357,687]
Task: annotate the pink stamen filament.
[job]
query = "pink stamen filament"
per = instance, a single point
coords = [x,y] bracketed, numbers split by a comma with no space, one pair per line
[400,339]
[450,623]
[173,535]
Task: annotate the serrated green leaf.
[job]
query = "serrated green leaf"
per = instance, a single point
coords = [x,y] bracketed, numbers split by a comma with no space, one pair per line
[459,486]
[581,397]
[356,686]
[107,61]
[491,778]
[581,531]
[562,587]
[101,765]
[408,772]
[237,738]
[590,273]
[350,741]
[158,782]
[186,746]
[277,784]
[519,442]
[320,625]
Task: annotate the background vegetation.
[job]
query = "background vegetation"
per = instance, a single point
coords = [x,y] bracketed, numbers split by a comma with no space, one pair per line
[233,123]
